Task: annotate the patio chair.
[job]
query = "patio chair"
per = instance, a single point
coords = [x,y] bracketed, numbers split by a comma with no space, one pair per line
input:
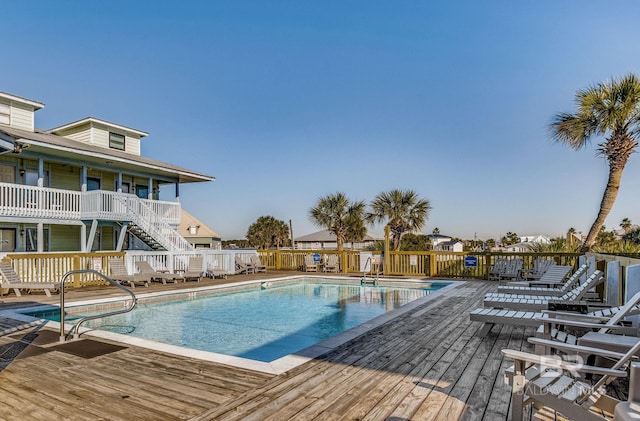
[118,272]
[527,290]
[553,277]
[541,302]
[332,264]
[257,264]
[309,264]
[242,266]
[146,269]
[195,270]
[497,269]
[512,270]
[540,266]
[559,385]
[11,280]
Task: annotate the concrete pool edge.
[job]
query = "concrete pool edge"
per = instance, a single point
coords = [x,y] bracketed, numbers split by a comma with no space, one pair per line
[278,366]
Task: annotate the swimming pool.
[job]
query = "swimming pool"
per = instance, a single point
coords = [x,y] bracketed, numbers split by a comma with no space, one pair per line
[255,322]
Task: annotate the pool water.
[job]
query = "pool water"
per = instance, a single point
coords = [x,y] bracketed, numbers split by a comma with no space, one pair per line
[259,324]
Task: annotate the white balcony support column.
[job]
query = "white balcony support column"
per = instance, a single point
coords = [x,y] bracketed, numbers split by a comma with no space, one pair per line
[119,182]
[40,174]
[92,235]
[150,189]
[83,237]
[40,237]
[122,236]
[83,179]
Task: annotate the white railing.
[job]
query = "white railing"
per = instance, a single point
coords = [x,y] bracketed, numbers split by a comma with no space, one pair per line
[154,217]
[167,211]
[39,202]
[222,260]
[112,206]
[155,226]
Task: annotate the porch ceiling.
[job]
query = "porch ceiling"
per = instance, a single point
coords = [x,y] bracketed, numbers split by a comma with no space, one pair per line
[69,149]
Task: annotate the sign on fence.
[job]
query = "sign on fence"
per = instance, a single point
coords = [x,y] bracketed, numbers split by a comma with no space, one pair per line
[470,262]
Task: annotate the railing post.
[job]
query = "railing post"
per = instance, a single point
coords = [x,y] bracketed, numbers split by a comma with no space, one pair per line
[487,265]
[433,264]
[278,262]
[76,266]
[345,262]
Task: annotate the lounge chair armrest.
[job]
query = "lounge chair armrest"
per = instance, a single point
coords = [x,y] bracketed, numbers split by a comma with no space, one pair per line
[578,323]
[576,348]
[559,364]
[568,315]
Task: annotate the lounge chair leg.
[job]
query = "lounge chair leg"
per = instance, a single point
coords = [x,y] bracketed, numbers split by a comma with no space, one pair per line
[46,291]
[486,328]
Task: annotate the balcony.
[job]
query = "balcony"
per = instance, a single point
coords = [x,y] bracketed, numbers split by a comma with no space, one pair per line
[40,203]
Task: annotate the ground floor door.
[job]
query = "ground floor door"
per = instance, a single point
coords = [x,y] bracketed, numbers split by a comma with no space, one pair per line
[7,239]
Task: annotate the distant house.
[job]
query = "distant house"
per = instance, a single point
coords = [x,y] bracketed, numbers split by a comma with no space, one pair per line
[540,239]
[449,246]
[519,248]
[326,240]
[197,233]
[437,239]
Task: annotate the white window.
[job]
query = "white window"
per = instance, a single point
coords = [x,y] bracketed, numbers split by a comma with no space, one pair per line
[5,114]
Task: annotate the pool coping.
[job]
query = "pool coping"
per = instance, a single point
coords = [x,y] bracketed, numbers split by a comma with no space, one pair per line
[278,366]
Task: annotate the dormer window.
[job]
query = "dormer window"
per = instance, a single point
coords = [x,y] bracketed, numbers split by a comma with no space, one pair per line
[116,141]
[5,113]
[193,229]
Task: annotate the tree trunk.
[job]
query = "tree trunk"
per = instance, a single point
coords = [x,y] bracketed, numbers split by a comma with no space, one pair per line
[608,198]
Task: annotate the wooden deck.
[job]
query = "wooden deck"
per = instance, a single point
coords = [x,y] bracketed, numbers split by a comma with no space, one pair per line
[427,364]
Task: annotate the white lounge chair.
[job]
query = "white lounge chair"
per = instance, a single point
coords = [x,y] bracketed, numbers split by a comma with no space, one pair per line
[541,302]
[527,290]
[11,280]
[493,316]
[592,331]
[540,266]
[118,272]
[309,264]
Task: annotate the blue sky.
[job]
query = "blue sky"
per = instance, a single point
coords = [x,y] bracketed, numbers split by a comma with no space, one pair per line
[287,101]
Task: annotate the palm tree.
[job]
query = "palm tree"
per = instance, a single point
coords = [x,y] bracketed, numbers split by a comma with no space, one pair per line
[625,225]
[356,229]
[267,232]
[403,210]
[337,214]
[610,109]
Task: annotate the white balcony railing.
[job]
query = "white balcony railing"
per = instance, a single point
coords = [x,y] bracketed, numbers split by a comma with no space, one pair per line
[43,202]
[39,202]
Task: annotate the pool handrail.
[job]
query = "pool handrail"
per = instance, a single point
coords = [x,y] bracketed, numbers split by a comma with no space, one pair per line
[75,329]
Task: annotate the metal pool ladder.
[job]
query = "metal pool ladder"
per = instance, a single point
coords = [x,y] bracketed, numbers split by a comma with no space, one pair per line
[74,330]
[372,280]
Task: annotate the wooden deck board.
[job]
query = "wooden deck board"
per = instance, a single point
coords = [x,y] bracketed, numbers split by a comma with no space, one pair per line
[426,364]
